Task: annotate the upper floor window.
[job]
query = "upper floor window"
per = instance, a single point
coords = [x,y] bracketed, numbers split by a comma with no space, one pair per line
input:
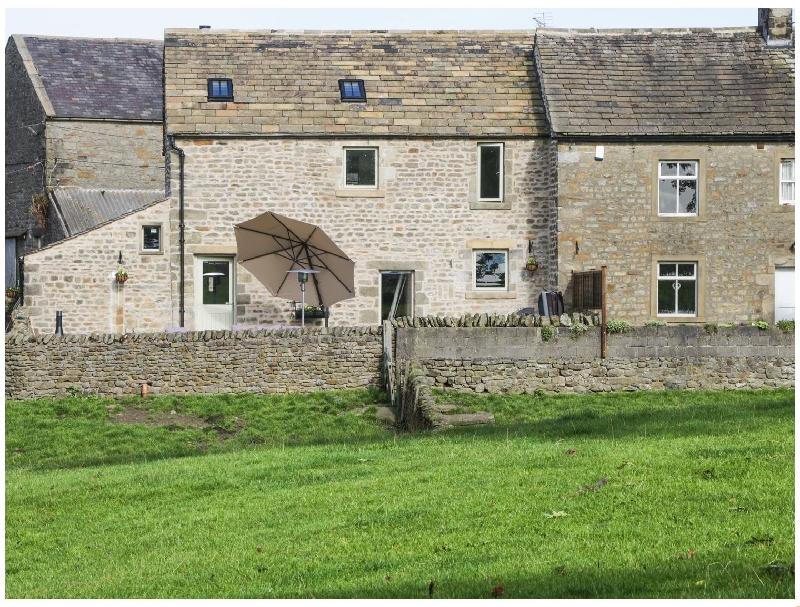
[352,90]
[220,89]
[787,181]
[361,167]
[490,171]
[678,188]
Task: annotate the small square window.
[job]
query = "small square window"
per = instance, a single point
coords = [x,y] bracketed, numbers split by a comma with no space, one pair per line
[151,239]
[490,171]
[490,270]
[678,188]
[361,167]
[352,90]
[787,181]
[220,89]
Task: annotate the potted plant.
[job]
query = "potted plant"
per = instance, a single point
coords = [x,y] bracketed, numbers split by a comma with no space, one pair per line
[12,292]
[309,312]
[121,275]
[531,264]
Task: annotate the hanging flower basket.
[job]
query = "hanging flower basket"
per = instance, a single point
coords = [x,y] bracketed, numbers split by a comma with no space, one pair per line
[121,275]
[531,265]
[12,292]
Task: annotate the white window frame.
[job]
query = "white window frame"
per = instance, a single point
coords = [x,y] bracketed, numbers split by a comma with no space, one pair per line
[501,176]
[679,178]
[481,288]
[350,186]
[785,181]
[160,248]
[675,279]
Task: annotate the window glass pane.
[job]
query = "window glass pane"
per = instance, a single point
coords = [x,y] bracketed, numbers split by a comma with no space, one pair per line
[787,192]
[685,269]
[396,294]
[667,195]
[360,169]
[667,269]
[490,270]
[151,238]
[686,297]
[687,197]
[787,170]
[688,168]
[216,282]
[668,169]
[666,297]
[490,159]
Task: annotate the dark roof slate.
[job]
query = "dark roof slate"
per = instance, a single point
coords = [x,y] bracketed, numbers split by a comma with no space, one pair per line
[99,78]
[665,83]
[418,83]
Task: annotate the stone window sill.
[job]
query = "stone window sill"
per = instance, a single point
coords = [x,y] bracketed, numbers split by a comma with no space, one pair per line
[490,206]
[360,193]
[490,295]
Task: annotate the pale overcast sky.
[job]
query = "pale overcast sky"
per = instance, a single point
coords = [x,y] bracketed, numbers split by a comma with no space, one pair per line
[150,22]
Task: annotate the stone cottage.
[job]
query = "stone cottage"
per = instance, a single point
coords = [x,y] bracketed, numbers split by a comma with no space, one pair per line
[84,137]
[676,167]
[421,154]
[439,161]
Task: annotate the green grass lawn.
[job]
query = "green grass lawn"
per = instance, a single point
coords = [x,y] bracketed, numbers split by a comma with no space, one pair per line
[637,495]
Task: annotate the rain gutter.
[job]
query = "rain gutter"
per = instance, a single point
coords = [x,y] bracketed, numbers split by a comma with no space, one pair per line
[181,237]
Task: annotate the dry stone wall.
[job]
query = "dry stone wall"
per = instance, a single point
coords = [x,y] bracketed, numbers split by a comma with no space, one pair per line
[517,360]
[495,359]
[209,362]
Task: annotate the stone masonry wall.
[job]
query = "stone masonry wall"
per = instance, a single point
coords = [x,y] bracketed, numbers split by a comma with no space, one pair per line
[209,362]
[25,147]
[111,154]
[517,360]
[607,215]
[76,277]
[498,359]
[422,217]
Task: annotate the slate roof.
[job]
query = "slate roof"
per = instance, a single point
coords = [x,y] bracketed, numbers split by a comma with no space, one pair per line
[665,83]
[100,78]
[418,83]
[82,209]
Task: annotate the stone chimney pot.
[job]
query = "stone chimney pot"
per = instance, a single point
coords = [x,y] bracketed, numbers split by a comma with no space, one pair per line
[776,26]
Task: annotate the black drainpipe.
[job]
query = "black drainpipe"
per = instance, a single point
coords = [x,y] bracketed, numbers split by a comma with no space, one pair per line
[181,239]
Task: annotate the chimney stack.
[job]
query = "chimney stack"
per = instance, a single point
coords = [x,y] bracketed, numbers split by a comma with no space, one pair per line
[776,26]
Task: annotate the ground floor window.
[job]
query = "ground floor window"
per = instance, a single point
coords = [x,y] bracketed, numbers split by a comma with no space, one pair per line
[490,270]
[677,289]
[397,294]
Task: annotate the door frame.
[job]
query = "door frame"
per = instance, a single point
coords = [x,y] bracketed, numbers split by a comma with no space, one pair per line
[199,283]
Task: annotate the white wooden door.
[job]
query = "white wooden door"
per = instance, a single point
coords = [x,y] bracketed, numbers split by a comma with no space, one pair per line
[213,293]
[784,294]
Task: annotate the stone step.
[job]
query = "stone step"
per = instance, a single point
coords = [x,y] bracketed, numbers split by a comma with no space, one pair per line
[467,419]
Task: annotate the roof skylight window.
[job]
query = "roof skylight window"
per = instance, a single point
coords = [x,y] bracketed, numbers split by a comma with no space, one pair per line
[352,90]
[220,89]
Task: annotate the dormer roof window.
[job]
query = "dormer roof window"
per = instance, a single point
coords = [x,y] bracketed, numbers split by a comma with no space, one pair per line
[352,90]
[220,89]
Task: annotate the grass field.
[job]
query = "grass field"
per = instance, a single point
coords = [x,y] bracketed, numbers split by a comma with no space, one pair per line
[640,495]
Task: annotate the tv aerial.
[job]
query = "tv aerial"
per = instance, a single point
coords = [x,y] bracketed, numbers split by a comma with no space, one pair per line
[543,19]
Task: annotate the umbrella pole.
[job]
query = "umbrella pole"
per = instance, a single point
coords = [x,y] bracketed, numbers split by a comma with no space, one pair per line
[303,305]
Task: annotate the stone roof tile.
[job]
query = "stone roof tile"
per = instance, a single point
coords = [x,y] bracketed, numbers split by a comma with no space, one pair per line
[417,83]
[672,82]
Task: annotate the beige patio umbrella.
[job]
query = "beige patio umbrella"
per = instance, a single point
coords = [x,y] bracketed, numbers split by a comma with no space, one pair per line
[273,247]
